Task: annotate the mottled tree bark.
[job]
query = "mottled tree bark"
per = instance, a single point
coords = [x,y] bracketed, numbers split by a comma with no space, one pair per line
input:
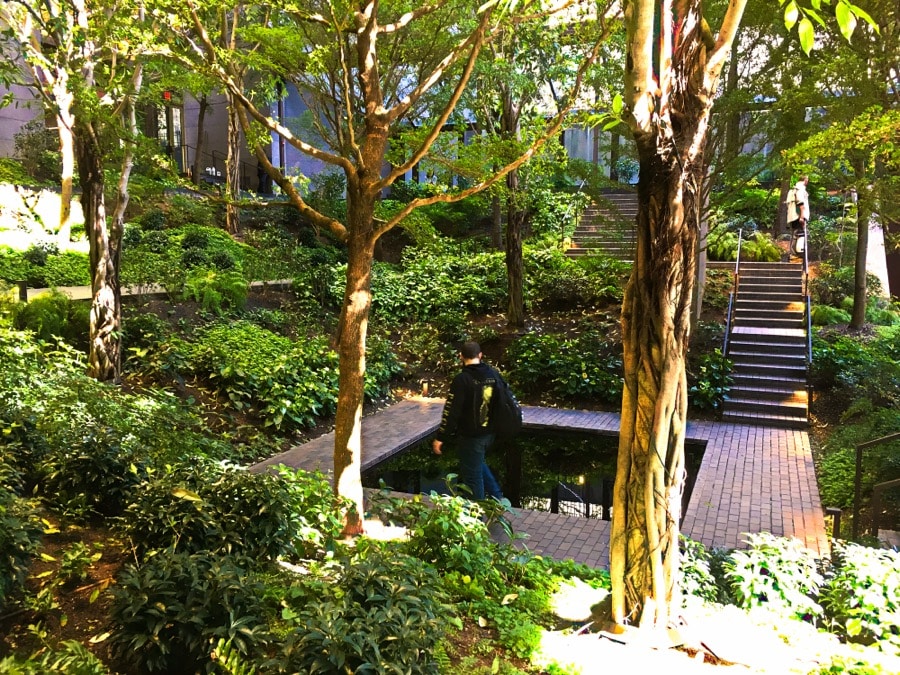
[233,169]
[671,75]
[197,167]
[863,216]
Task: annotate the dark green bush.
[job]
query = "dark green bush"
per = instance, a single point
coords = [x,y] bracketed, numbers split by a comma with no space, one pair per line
[183,210]
[710,384]
[20,537]
[861,368]
[153,220]
[13,266]
[832,285]
[587,365]
[204,506]
[69,268]
[557,282]
[37,148]
[385,614]
[53,314]
[169,612]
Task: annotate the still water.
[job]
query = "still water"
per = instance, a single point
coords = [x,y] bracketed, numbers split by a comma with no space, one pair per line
[568,473]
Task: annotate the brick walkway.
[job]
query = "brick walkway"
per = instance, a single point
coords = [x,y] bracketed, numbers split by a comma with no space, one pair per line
[752,479]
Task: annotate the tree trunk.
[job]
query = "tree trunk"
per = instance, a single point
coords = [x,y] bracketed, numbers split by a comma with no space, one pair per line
[496,222]
[201,132]
[352,332]
[104,359]
[614,140]
[64,123]
[655,333]
[781,226]
[669,102]
[863,216]
[515,269]
[233,169]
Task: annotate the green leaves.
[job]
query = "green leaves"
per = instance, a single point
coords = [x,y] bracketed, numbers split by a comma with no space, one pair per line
[846,14]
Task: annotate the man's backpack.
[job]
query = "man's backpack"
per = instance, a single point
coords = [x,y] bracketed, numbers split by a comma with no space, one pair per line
[506,413]
[792,211]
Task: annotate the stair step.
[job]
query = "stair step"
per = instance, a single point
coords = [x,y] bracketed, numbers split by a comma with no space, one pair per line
[765,393]
[740,356]
[772,294]
[769,334]
[770,304]
[765,347]
[770,370]
[745,321]
[788,409]
[777,285]
[763,380]
[765,419]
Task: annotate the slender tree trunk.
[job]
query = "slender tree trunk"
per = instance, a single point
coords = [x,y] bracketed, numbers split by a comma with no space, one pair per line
[515,268]
[496,222]
[614,141]
[863,216]
[233,169]
[104,358]
[201,140]
[352,332]
[64,123]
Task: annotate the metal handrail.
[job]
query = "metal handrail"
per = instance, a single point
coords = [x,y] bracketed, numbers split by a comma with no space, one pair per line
[733,295]
[806,295]
[876,501]
[857,480]
[565,218]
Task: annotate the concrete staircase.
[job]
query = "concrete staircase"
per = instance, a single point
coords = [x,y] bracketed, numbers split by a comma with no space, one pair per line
[607,227]
[768,346]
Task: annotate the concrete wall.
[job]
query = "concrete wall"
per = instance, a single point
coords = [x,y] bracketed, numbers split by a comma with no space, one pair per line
[23,108]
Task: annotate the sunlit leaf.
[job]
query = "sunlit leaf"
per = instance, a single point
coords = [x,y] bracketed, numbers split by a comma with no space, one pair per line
[184,493]
[846,20]
[807,35]
[791,14]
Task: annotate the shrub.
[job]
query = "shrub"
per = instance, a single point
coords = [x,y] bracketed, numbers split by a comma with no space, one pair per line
[13,266]
[864,369]
[384,614]
[69,268]
[285,383]
[153,220]
[225,509]
[825,315]
[711,382]
[69,658]
[182,210]
[698,571]
[37,148]
[776,573]
[588,365]
[862,596]
[53,314]
[761,248]
[20,537]
[216,290]
[169,612]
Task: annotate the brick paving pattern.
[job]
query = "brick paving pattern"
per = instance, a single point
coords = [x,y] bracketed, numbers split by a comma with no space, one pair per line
[752,479]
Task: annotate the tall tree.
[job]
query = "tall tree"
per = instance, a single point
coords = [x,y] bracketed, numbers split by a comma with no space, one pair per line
[673,64]
[369,70]
[855,130]
[88,49]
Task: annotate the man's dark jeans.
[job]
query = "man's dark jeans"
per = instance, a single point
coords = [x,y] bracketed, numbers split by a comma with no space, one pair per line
[472,469]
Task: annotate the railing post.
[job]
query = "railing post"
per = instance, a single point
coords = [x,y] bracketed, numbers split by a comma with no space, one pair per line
[23,290]
[835,514]
[857,491]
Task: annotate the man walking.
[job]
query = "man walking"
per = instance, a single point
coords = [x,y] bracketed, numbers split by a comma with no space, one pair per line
[798,215]
[467,417]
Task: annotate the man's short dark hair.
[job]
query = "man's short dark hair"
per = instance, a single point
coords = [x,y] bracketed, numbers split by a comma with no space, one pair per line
[470,350]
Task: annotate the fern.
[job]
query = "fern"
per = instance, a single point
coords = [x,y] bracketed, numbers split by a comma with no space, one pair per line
[228,660]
